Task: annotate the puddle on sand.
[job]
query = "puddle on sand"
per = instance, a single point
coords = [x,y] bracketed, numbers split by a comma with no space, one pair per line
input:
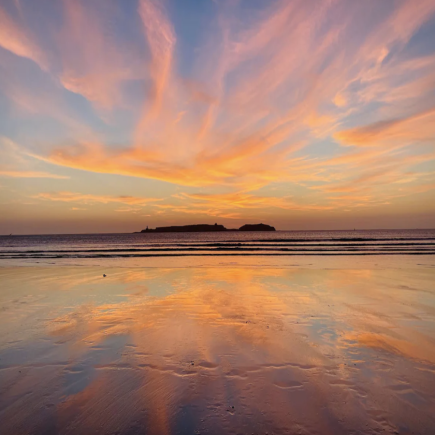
[217,350]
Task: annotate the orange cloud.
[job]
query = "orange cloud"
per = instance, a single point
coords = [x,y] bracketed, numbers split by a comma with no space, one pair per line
[89,199]
[243,200]
[30,174]
[198,209]
[415,128]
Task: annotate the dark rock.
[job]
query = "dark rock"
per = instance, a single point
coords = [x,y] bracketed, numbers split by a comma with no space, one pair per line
[256,227]
[187,229]
[202,228]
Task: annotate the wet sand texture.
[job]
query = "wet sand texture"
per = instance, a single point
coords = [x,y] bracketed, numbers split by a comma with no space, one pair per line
[217,351]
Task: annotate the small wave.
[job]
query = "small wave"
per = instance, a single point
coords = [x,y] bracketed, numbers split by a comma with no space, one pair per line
[184,253]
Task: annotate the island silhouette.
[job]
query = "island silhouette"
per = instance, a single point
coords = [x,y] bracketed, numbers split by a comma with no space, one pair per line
[203,228]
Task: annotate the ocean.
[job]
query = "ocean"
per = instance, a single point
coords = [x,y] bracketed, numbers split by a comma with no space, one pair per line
[278,243]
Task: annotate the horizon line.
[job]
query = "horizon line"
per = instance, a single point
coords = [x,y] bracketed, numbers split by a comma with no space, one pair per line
[293,230]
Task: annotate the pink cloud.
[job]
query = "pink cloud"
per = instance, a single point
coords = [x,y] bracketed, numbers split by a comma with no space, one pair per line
[19,41]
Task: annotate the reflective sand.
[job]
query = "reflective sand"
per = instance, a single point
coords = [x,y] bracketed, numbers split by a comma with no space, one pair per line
[217,350]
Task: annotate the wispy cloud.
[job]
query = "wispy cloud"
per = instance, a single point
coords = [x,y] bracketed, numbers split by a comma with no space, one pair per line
[161,39]
[17,39]
[413,129]
[31,174]
[249,201]
[94,63]
[89,198]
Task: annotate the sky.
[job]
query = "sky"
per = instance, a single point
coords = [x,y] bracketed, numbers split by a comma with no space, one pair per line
[302,114]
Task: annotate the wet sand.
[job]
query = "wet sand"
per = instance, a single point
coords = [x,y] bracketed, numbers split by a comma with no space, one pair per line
[216,350]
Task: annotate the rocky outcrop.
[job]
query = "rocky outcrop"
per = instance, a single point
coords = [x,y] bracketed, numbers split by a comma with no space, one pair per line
[256,227]
[203,228]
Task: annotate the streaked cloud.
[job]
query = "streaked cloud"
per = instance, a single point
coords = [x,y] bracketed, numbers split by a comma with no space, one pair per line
[89,198]
[95,64]
[243,200]
[161,39]
[416,128]
[30,174]
[17,39]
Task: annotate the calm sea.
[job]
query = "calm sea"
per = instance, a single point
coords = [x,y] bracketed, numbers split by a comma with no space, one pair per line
[279,243]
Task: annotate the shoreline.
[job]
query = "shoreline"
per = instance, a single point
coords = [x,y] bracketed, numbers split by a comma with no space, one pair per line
[311,262]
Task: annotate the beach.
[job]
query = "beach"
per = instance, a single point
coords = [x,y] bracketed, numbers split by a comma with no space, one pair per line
[300,345]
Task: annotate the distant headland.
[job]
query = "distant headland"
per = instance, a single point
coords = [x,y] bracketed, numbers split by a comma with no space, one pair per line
[204,228]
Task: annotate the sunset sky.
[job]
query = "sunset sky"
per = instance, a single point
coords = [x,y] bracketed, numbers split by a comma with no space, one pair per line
[303,114]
